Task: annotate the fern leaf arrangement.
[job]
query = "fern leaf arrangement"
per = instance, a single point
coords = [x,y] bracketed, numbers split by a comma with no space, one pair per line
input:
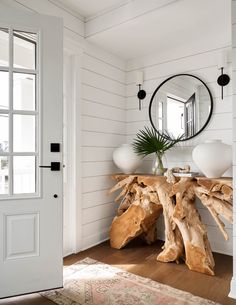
[149,141]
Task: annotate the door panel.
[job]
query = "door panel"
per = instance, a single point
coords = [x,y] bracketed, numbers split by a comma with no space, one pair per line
[21,235]
[31,51]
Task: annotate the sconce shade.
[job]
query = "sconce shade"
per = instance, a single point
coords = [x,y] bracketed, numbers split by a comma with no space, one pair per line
[222,59]
[139,78]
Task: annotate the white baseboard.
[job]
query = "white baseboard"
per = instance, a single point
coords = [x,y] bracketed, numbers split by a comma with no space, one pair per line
[93,244]
[232,293]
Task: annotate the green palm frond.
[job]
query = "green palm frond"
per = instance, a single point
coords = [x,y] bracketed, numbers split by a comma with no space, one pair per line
[149,141]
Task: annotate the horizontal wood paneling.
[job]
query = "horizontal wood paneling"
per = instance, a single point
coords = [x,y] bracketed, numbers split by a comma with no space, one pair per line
[133,127]
[103,111]
[103,56]
[234,31]
[100,96]
[223,106]
[95,139]
[132,102]
[234,85]
[97,226]
[101,153]
[234,105]
[103,129]
[97,124]
[218,244]
[206,61]
[91,184]
[97,168]
[234,56]
[96,198]
[233,12]
[98,80]
[224,134]
[135,115]
[220,121]
[94,64]
[99,212]
[174,55]
[92,240]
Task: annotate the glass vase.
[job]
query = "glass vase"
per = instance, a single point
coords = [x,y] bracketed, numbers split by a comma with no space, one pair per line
[158,167]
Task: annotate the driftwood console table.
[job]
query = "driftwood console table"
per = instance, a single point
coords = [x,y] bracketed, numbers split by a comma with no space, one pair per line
[144,197]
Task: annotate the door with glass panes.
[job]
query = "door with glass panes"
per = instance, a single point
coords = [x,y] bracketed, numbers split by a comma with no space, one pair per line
[30,126]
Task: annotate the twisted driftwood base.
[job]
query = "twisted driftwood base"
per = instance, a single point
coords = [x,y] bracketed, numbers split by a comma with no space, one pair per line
[144,197]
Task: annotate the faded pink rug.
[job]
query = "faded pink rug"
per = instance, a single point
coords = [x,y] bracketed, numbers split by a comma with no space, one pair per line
[89,282]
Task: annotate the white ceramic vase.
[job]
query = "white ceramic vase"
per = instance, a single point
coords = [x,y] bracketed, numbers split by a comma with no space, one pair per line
[213,158]
[126,159]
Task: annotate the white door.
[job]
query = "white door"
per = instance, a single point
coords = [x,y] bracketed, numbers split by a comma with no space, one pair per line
[30,120]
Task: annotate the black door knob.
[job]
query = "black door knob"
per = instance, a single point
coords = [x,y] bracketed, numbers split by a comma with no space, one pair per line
[55,195]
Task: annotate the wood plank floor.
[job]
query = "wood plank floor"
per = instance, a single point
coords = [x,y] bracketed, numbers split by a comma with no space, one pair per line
[140,259]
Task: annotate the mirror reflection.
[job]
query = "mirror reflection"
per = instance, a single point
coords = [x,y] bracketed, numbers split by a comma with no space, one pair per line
[181,105]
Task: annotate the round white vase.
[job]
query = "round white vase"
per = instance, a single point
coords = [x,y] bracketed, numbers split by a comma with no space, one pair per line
[126,159]
[213,158]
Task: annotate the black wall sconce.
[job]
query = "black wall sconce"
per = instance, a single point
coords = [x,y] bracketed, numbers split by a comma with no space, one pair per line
[223,79]
[141,93]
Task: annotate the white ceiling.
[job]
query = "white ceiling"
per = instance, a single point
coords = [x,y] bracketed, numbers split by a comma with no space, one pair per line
[135,28]
[90,8]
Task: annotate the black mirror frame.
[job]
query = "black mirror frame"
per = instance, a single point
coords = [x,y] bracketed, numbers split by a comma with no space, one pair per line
[166,80]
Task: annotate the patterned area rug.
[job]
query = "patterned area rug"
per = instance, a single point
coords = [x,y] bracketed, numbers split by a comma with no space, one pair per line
[89,282]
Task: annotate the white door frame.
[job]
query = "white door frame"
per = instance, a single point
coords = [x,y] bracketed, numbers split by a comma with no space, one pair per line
[75,51]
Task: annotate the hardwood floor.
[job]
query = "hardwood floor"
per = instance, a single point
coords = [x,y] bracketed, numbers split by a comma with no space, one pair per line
[140,259]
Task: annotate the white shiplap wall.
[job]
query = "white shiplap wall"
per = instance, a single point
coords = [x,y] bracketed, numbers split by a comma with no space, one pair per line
[233,282]
[204,65]
[103,129]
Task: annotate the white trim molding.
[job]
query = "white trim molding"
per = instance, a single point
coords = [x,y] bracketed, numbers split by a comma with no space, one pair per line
[232,293]
[75,51]
[122,14]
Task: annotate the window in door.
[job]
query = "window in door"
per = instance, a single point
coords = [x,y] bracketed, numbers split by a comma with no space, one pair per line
[19,113]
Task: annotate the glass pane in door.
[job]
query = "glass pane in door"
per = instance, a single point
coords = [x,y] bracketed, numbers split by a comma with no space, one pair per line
[4,47]
[24,50]
[4,90]
[18,116]
[4,175]
[23,133]
[24,179]
[4,133]
[23,91]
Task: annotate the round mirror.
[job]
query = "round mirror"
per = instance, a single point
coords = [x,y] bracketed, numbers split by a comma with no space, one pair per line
[181,106]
